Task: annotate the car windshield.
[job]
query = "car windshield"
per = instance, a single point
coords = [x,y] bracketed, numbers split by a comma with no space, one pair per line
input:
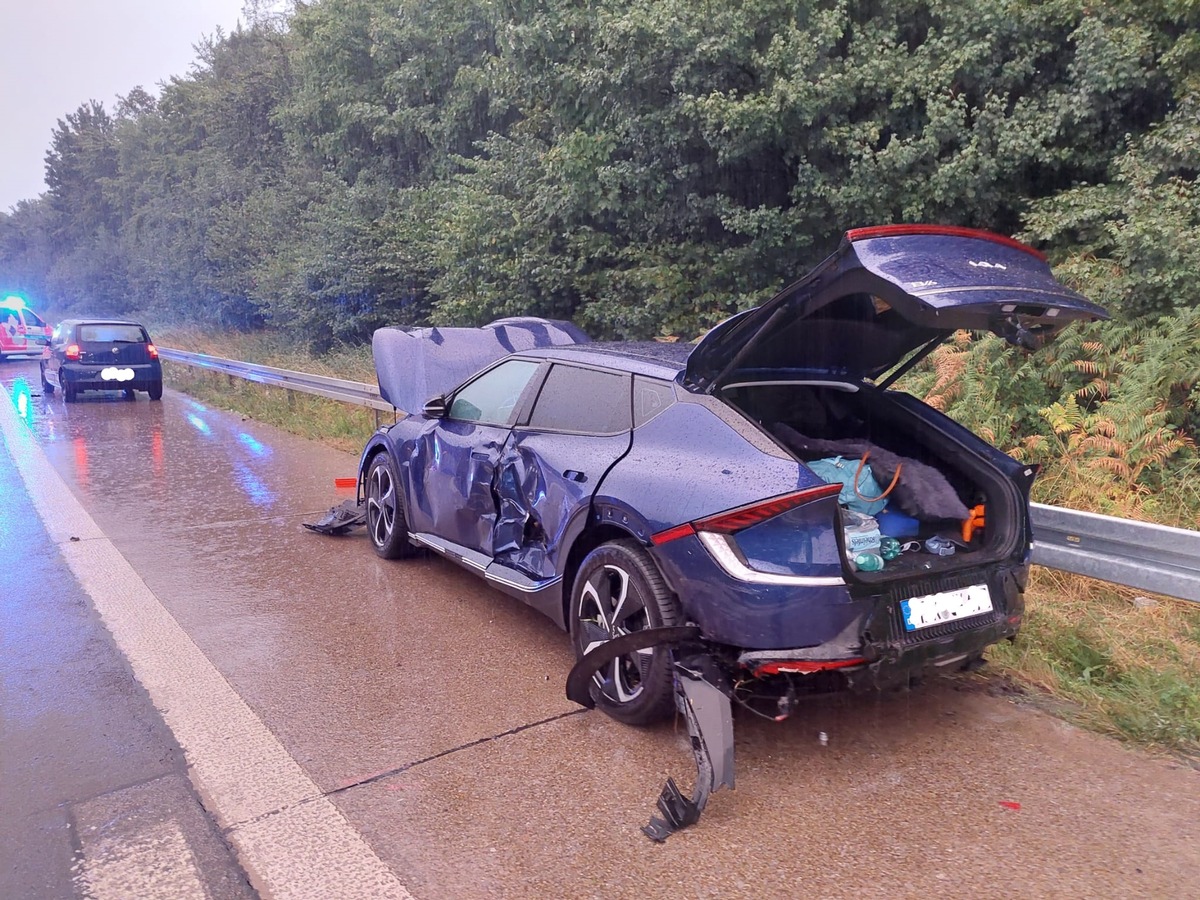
[112,334]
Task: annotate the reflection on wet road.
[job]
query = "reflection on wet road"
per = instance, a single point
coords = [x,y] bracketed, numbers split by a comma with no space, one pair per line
[405,690]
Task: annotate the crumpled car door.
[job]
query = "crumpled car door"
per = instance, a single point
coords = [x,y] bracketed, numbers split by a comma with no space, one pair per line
[579,426]
[452,464]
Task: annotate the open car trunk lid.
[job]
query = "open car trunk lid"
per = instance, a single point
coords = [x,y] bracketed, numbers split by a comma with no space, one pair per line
[416,364]
[885,292]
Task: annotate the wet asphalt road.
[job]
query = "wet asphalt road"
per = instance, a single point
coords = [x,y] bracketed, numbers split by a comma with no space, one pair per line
[429,711]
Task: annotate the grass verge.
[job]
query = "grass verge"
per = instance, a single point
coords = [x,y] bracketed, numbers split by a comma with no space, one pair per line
[1088,652]
[1109,659]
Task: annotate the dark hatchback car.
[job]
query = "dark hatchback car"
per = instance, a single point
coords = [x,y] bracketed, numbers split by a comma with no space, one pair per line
[101,355]
[621,487]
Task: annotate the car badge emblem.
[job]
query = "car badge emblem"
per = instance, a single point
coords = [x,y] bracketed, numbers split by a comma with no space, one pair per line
[116,349]
[984,264]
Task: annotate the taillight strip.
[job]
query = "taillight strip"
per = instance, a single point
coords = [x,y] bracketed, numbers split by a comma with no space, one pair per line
[752,513]
[672,534]
[734,520]
[863,234]
[805,666]
[720,548]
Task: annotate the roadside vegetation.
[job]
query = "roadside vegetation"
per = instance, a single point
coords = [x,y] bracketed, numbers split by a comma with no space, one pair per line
[646,169]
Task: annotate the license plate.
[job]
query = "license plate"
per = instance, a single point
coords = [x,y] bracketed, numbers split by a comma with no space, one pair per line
[947,606]
[112,373]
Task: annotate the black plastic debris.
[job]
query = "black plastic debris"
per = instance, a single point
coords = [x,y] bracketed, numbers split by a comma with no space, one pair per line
[702,695]
[340,519]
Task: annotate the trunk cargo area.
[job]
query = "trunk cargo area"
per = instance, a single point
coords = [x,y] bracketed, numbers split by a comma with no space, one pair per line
[945,472]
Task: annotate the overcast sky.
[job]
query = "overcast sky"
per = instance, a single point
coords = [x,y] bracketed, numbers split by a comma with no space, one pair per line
[57,54]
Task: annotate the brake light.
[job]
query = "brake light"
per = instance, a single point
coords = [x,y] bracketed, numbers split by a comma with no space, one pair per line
[72,352]
[745,516]
[152,350]
[805,666]
[863,234]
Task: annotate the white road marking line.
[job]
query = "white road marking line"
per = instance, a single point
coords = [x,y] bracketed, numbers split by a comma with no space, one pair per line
[246,778]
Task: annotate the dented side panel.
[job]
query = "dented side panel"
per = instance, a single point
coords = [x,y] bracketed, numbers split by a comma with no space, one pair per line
[545,481]
[449,471]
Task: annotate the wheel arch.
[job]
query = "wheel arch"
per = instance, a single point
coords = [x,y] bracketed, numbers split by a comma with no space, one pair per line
[597,532]
[376,445]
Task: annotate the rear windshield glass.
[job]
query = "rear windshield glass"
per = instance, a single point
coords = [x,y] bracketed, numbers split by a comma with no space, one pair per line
[112,334]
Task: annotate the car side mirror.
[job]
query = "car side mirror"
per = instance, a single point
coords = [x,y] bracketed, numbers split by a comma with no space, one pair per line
[436,408]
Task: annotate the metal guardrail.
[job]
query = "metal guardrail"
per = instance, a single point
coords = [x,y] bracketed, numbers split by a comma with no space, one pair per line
[334,388]
[1141,555]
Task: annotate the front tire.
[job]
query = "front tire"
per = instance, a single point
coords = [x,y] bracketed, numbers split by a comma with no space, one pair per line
[385,511]
[618,590]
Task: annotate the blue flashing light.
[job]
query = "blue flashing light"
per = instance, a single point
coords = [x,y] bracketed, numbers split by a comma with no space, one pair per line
[199,424]
[13,302]
[22,400]
[253,487]
[253,445]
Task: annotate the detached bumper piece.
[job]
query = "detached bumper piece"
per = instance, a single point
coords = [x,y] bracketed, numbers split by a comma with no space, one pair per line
[340,519]
[702,695]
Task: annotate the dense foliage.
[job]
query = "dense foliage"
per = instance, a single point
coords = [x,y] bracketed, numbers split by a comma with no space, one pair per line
[647,167]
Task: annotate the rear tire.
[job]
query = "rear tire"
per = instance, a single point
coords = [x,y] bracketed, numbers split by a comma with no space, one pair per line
[618,590]
[386,523]
[155,391]
[69,393]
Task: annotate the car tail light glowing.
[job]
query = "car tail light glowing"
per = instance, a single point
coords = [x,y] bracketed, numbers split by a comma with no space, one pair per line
[863,234]
[152,350]
[72,352]
[745,516]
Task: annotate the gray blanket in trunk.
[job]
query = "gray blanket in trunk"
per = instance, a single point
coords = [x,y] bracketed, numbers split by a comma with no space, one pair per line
[922,491]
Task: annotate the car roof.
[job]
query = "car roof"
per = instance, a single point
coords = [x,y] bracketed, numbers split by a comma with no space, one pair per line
[655,359]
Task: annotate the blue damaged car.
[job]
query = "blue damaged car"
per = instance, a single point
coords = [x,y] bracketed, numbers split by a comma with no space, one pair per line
[633,486]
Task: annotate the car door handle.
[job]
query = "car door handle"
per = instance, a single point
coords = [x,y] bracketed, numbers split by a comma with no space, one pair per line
[480,455]
[574,475]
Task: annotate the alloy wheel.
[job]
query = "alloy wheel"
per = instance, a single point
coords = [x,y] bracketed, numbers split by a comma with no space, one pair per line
[610,605]
[381,504]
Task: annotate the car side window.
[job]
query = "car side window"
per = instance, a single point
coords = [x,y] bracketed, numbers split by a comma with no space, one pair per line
[583,400]
[650,397]
[491,398]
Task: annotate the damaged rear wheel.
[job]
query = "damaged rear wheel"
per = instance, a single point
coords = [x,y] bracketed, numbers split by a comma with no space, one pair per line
[619,590]
[385,511]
